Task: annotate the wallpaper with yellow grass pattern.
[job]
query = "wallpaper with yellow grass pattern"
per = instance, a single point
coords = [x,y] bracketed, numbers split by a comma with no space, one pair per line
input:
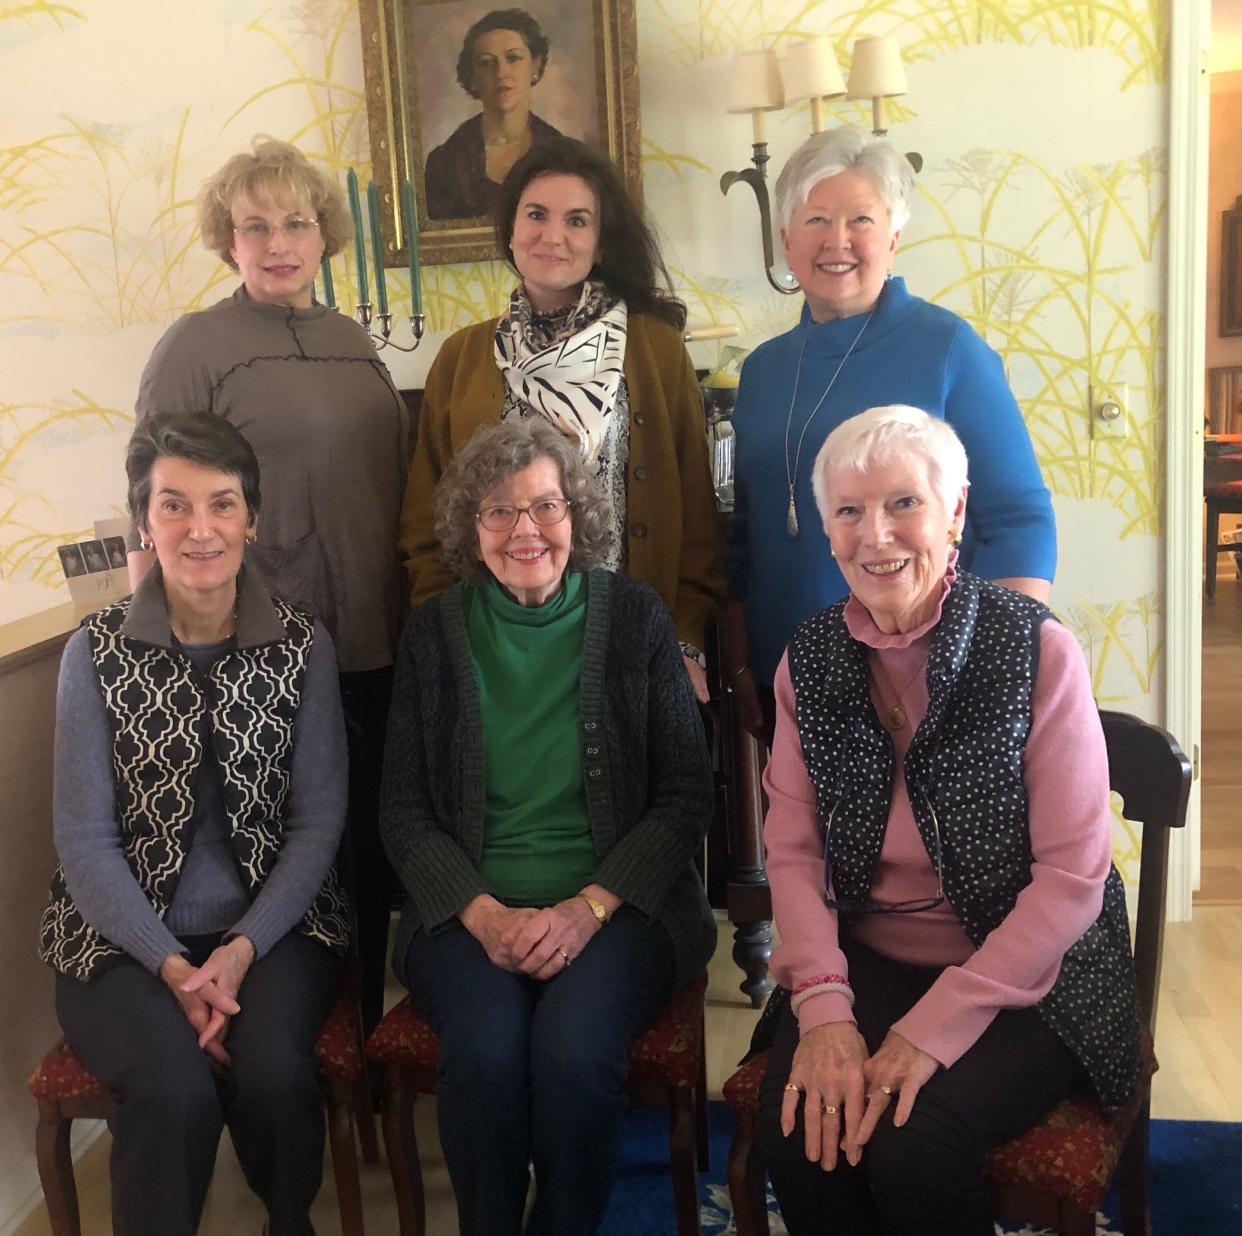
[1041,219]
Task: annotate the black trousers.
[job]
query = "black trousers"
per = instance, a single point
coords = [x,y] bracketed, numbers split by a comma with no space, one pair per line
[365,697]
[127,1028]
[926,1176]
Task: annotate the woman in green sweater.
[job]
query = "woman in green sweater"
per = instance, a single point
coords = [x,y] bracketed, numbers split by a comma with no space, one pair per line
[546,789]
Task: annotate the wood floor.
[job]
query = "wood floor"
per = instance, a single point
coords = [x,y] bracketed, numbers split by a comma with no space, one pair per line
[1221,740]
[1198,1035]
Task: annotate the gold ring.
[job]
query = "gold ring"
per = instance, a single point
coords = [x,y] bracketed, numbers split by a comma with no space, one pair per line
[565,955]
[794,1087]
[886,1091]
[829,1110]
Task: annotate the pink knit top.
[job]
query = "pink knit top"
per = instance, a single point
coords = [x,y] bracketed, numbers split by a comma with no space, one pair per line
[1066,777]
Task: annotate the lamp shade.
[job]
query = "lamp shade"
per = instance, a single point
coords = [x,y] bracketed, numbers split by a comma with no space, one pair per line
[876,70]
[755,82]
[810,71]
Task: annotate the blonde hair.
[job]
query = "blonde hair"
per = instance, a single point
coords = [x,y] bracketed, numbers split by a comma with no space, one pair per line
[894,431]
[275,173]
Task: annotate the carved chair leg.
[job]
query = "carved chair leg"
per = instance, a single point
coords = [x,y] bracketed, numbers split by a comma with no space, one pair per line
[55,1164]
[681,1146]
[1135,1217]
[752,949]
[401,1146]
[702,1132]
[364,1119]
[747,1181]
[344,1157]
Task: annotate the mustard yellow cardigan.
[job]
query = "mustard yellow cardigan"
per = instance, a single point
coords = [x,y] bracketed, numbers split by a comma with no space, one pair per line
[673,533]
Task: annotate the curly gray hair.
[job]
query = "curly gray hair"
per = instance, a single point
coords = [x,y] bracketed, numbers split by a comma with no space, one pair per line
[493,456]
[846,149]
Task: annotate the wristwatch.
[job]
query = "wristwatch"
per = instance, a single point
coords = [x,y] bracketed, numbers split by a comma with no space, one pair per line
[597,908]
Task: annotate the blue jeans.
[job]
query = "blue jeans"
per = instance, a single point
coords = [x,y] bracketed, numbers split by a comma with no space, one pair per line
[535,1071]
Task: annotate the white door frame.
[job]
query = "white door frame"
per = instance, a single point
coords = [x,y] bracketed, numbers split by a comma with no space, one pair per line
[1190,36]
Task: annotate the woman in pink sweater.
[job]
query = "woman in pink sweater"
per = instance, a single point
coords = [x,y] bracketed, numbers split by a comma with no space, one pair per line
[954,953]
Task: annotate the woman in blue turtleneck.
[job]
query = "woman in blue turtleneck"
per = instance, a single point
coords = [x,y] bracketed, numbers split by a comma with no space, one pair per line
[863,340]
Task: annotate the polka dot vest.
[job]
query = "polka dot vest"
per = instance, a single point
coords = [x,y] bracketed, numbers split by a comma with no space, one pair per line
[966,759]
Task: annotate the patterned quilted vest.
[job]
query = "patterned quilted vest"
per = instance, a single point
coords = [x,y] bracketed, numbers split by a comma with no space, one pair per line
[155,703]
[966,758]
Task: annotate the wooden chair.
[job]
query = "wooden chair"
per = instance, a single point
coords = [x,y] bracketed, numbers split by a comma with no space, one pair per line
[66,1091]
[1056,1174]
[1221,499]
[667,1066]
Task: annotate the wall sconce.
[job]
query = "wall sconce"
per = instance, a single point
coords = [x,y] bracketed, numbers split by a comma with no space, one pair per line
[760,83]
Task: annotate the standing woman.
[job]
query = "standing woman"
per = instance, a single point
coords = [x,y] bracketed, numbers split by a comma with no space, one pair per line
[592,344]
[863,341]
[196,924]
[503,58]
[304,385]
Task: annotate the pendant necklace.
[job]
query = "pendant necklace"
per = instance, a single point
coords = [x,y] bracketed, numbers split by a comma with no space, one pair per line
[791,470]
[895,718]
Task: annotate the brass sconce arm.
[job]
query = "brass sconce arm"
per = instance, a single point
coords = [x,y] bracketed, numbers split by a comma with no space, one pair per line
[757,178]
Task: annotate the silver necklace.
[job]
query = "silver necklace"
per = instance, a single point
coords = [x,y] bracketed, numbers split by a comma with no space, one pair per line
[791,470]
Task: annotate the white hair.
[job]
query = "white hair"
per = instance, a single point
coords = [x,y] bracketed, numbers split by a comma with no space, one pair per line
[846,149]
[881,435]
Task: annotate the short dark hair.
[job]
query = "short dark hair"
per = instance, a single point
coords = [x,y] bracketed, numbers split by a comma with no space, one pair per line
[493,455]
[201,437]
[518,20]
[629,262]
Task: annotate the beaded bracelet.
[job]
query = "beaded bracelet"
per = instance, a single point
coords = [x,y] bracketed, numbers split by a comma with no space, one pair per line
[818,986]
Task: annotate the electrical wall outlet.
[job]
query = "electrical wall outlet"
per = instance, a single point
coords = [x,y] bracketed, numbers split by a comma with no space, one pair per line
[1110,414]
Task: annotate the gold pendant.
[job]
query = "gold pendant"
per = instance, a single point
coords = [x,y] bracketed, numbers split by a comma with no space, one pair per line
[896,718]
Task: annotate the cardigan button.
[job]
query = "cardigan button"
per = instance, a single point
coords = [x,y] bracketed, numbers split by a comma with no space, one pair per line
[638,418]
[592,751]
[590,725]
[596,772]
[638,530]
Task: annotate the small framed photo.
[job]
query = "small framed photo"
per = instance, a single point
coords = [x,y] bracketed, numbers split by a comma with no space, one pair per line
[71,561]
[114,547]
[94,556]
[458,90]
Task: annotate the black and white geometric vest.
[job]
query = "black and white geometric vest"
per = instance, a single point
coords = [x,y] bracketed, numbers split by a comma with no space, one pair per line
[966,758]
[155,703]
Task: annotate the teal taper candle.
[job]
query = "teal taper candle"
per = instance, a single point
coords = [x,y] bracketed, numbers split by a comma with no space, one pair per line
[329,296]
[355,210]
[409,213]
[377,246]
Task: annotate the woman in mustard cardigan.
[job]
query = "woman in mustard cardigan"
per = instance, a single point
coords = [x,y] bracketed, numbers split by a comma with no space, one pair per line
[592,343]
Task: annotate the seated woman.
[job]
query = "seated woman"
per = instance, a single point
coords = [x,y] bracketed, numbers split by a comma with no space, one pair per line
[546,790]
[953,933]
[200,784]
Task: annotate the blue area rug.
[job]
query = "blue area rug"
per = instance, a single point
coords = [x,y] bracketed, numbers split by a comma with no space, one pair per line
[1195,1177]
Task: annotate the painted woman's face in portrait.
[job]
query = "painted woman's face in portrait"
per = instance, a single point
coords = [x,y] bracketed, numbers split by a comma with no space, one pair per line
[503,71]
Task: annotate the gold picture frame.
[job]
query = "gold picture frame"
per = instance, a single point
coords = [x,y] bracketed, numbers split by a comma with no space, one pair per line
[410,51]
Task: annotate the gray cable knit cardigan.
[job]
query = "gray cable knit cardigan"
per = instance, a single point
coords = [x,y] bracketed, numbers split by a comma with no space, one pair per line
[644,765]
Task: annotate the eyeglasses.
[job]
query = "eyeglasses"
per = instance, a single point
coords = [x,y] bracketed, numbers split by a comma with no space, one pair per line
[915,905]
[544,513]
[260,231]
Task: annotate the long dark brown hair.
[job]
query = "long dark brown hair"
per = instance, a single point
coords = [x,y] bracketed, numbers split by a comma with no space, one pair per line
[629,262]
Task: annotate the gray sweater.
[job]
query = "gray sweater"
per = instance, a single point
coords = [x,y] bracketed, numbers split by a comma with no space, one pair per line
[310,395]
[644,765]
[210,895]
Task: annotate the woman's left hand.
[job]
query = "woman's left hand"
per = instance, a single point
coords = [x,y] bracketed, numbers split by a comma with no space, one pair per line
[217,982]
[698,679]
[549,942]
[898,1071]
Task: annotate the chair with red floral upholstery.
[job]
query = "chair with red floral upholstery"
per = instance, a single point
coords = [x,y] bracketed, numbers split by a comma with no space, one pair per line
[1057,1173]
[667,1066]
[66,1092]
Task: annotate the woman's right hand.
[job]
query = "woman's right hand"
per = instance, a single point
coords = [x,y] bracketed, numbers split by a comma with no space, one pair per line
[496,926]
[174,971]
[828,1071]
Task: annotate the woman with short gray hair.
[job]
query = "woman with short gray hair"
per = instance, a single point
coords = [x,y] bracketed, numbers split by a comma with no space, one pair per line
[843,199]
[546,789]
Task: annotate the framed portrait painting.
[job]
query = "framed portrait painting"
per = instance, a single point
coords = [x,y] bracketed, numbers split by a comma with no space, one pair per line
[459,90]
